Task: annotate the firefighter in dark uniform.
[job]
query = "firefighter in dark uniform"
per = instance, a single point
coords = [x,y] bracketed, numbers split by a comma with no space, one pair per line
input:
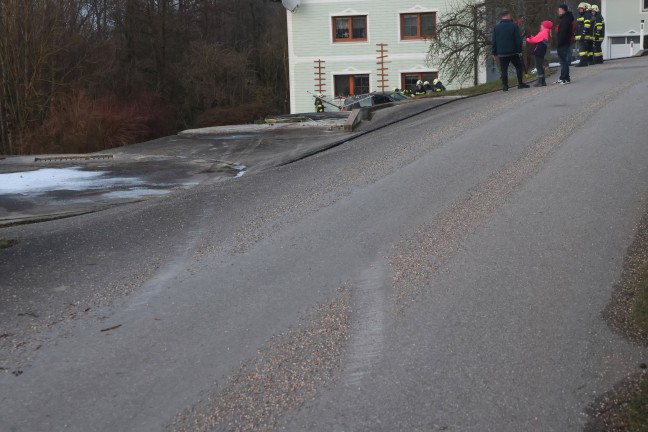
[598,31]
[584,33]
[319,103]
[420,89]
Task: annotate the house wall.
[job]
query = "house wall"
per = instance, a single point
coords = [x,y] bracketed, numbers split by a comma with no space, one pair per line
[310,33]
[623,24]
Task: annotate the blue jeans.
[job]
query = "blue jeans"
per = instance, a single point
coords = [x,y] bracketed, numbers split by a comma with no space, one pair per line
[565,56]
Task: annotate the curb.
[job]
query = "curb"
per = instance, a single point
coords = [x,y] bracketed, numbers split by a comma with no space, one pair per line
[377,128]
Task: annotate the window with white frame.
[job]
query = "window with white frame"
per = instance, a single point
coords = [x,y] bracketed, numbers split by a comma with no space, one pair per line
[644,5]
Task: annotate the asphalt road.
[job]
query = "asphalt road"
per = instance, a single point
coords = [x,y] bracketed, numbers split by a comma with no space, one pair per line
[446,273]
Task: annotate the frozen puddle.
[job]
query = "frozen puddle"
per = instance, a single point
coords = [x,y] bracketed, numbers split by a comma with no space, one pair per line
[47,180]
[241,136]
[241,170]
[134,193]
[56,179]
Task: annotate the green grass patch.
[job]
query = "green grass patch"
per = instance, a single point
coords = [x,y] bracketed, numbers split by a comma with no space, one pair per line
[489,86]
[479,89]
[639,312]
[4,244]
[632,415]
[625,407]
[635,415]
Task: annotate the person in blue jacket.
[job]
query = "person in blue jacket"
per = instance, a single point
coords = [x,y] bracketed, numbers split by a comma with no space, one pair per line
[507,47]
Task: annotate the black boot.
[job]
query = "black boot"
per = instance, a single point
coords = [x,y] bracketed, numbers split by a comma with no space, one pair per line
[520,77]
[540,82]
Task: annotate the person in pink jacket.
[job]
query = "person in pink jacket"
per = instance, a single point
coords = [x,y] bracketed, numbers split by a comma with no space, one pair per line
[541,41]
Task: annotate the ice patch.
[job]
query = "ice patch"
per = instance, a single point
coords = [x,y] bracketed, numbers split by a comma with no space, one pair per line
[45,180]
[241,170]
[134,193]
[227,137]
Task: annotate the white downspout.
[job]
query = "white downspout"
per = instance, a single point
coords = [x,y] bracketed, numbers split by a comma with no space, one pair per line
[606,40]
[291,63]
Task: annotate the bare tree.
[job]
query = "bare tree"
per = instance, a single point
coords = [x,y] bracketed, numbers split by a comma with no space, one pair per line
[105,54]
[39,55]
[462,38]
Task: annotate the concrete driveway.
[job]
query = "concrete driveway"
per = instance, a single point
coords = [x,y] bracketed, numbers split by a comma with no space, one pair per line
[447,272]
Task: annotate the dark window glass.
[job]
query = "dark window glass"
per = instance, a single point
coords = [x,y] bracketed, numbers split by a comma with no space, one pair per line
[410,25]
[429,76]
[342,86]
[341,28]
[360,27]
[427,24]
[410,81]
[361,84]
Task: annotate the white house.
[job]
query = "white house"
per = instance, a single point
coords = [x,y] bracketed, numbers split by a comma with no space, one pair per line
[624,21]
[345,47]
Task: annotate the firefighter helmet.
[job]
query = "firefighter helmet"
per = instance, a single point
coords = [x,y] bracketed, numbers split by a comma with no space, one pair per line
[436,81]
[595,8]
[583,5]
[419,82]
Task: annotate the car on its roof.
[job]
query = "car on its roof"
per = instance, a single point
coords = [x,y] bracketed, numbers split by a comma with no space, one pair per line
[371,99]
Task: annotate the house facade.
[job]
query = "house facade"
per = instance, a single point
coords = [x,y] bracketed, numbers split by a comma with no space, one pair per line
[623,27]
[349,47]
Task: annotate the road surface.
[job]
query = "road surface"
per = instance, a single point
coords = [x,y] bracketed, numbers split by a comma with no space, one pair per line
[445,273]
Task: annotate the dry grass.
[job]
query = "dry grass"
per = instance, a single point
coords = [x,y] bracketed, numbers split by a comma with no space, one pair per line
[4,243]
[246,113]
[79,123]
